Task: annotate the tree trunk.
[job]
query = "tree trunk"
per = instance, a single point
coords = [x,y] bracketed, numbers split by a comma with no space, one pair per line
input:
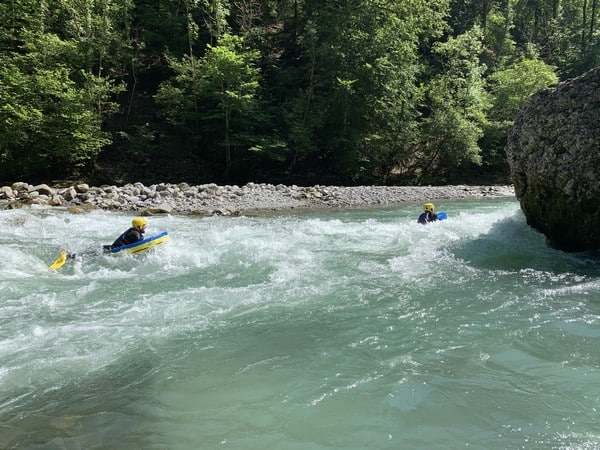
[584,25]
[227,143]
[593,20]
[486,5]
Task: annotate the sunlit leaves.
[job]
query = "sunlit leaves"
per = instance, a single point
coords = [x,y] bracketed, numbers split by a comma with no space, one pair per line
[46,121]
[217,90]
[514,84]
[458,103]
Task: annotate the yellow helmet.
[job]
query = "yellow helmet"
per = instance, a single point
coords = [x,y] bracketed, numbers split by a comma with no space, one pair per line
[429,207]
[138,223]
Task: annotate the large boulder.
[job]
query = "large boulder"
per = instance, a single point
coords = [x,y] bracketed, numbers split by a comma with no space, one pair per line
[554,155]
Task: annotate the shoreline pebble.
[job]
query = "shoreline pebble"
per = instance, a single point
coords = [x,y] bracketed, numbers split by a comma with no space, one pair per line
[213,199]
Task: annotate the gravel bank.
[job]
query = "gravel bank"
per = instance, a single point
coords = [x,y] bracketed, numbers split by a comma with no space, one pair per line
[233,200]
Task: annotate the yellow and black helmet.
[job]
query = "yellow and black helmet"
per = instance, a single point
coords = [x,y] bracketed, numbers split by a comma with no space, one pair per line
[138,223]
[428,207]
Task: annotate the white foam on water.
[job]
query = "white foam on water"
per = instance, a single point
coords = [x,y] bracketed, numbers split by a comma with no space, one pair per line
[285,323]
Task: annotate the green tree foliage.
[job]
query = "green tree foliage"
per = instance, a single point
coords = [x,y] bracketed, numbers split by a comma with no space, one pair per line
[457,104]
[564,32]
[46,123]
[355,86]
[215,97]
[345,91]
[511,86]
[50,110]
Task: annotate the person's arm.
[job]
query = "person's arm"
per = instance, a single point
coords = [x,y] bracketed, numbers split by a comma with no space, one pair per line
[134,236]
[128,237]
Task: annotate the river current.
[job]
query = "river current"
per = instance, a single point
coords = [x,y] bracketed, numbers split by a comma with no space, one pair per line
[336,329]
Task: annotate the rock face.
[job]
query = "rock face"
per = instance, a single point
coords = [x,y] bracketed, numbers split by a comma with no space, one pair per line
[554,155]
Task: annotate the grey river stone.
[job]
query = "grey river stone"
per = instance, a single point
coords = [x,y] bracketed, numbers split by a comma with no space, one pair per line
[211,199]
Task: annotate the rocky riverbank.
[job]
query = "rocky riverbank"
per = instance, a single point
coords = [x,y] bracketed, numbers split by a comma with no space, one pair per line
[231,200]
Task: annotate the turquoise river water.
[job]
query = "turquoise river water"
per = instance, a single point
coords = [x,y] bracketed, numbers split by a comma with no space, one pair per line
[332,329]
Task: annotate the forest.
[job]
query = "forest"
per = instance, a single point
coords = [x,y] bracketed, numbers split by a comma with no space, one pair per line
[282,91]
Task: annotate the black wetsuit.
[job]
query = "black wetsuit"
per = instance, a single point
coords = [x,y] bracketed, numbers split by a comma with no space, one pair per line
[427,217]
[128,237]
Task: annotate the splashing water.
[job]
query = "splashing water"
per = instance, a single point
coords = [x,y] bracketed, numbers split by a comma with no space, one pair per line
[309,330]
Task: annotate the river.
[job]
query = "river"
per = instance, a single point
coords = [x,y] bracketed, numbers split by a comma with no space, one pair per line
[333,329]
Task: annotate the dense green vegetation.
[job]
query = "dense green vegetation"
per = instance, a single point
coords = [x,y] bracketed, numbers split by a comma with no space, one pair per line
[304,91]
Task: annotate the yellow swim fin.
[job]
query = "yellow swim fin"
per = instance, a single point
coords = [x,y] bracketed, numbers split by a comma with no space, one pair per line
[60,261]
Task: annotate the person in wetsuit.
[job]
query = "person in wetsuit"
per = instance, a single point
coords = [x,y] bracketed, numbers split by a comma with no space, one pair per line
[133,234]
[428,215]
